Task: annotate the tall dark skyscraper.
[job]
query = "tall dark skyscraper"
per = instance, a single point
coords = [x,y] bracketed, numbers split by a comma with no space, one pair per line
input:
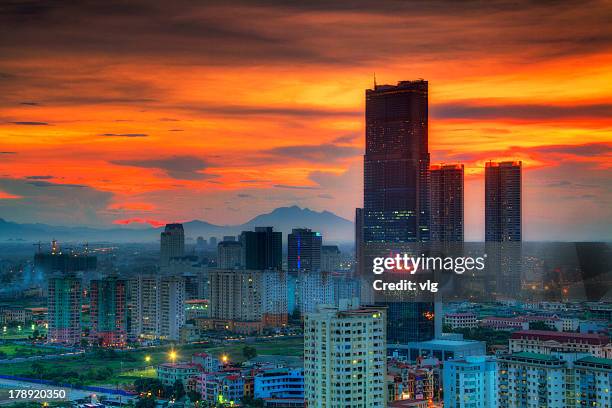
[396,163]
[503,226]
[447,203]
[396,191]
[172,243]
[304,251]
[262,249]
[503,202]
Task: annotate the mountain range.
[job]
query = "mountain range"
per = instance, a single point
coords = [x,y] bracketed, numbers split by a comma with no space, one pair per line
[334,228]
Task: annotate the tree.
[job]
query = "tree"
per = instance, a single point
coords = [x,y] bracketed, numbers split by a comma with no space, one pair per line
[193,396]
[146,385]
[38,369]
[249,352]
[539,325]
[145,402]
[178,390]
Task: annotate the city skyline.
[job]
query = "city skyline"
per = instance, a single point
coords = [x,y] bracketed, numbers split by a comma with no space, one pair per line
[222,120]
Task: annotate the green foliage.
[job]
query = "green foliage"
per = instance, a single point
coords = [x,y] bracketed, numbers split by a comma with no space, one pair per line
[178,391]
[539,326]
[145,402]
[249,352]
[152,385]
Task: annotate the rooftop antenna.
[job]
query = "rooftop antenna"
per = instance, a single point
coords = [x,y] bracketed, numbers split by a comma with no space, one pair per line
[374,80]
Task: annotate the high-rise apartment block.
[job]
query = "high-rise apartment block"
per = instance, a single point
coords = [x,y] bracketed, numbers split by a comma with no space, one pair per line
[503,202]
[108,311]
[172,243]
[447,223]
[470,382]
[345,358]
[159,304]
[246,301]
[314,288]
[262,249]
[304,250]
[64,302]
[331,260]
[171,306]
[229,255]
[558,380]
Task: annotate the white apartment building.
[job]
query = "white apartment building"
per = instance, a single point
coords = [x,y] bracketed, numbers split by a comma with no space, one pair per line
[159,304]
[314,288]
[460,320]
[171,307]
[558,380]
[345,358]
[547,342]
[470,383]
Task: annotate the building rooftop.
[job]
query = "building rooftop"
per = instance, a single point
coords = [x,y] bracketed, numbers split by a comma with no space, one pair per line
[597,339]
[596,360]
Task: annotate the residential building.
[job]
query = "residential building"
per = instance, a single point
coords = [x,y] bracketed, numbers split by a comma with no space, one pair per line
[262,249]
[64,303]
[284,383]
[331,260]
[172,243]
[470,383]
[558,380]
[170,373]
[460,320]
[229,255]
[344,358]
[171,307]
[447,223]
[303,251]
[547,342]
[108,311]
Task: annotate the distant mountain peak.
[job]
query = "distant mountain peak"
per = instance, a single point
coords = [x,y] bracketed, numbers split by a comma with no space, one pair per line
[333,227]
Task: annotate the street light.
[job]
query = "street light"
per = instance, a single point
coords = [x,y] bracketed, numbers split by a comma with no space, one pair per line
[173,356]
[147,359]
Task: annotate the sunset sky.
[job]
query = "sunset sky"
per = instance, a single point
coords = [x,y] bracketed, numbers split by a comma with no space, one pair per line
[142,112]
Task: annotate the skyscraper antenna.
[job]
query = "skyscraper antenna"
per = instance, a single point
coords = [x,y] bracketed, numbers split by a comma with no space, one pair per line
[374,80]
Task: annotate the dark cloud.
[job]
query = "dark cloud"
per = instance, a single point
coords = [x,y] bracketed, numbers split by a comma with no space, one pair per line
[256,32]
[39,177]
[255,181]
[471,110]
[31,123]
[5,152]
[586,150]
[175,130]
[326,196]
[350,138]
[178,167]
[47,184]
[242,110]
[124,134]
[29,103]
[63,204]
[244,195]
[548,153]
[315,153]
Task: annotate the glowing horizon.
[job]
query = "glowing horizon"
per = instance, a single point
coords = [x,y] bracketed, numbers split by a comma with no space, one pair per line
[216,112]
